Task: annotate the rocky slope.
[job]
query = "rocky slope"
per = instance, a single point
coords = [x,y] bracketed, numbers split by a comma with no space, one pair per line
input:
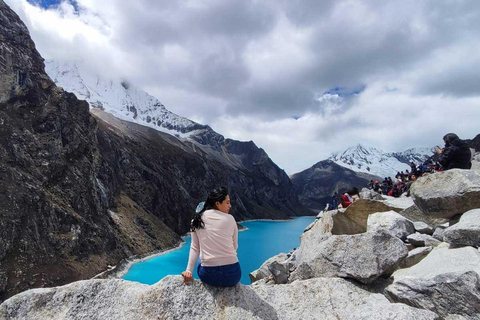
[80,192]
[316,185]
[370,261]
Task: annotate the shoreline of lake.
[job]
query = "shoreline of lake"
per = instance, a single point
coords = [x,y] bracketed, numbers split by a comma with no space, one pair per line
[132,260]
[182,251]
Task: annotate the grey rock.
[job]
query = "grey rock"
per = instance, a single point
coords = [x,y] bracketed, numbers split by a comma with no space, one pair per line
[415,256]
[438,234]
[446,294]
[422,227]
[280,272]
[398,204]
[448,193]
[370,194]
[476,162]
[413,213]
[322,298]
[392,222]
[466,231]
[354,219]
[364,257]
[422,240]
[442,260]
[264,270]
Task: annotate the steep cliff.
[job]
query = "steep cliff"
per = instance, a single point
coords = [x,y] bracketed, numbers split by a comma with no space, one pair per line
[81,192]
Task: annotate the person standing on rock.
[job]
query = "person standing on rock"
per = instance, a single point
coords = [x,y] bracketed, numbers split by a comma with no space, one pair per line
[215,239]
[456,153]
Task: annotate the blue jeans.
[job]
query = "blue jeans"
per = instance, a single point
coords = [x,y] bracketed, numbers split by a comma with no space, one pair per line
[221,276]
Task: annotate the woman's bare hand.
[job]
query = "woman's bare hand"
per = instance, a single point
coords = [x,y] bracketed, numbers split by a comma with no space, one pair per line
[187,276]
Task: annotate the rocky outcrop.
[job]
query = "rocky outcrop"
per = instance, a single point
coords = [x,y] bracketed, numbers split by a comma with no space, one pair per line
[422,227]
[264,270]
[448,193]
[369,194]
[476,162]
[364,257]
[466,231]
[445,294]
[421,240]
[413,213]
[354,219]
[392,222]
[80,192]
[415,256]
[316,185]
[321,298]
[443,260]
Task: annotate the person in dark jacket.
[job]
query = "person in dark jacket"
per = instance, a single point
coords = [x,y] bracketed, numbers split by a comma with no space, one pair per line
[456,153]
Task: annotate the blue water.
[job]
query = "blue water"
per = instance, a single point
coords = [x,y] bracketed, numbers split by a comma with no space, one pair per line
[262,240]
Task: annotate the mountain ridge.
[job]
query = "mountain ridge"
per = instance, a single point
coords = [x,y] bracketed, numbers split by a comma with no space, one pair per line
[377,162]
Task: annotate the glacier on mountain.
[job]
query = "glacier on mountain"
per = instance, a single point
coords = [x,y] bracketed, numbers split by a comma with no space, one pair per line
[120,99]
[376,162]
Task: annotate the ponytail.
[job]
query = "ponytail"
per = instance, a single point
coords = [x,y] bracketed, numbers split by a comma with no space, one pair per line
[216,195]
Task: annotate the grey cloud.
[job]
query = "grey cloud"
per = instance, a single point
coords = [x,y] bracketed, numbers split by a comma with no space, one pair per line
[353,44]
[462,81]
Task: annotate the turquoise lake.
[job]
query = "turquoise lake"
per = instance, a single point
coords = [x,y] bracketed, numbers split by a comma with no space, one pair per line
[262,240]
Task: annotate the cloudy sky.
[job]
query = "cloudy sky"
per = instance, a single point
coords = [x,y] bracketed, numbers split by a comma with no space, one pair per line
[301,79]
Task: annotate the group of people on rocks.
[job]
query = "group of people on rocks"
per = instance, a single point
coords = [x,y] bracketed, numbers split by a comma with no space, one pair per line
[455,154]
[391,188]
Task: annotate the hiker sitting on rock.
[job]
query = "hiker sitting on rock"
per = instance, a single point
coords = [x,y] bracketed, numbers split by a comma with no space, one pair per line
[215,238]
[456,153]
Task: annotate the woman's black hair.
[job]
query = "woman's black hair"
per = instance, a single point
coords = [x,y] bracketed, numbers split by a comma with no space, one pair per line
[216,195]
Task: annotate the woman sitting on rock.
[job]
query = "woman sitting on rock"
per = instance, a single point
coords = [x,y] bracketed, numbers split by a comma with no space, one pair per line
[215,238]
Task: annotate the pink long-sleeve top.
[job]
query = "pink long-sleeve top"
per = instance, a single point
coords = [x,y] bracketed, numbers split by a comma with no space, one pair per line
[217,243]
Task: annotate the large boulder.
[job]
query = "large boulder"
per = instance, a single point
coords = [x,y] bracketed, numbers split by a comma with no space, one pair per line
[354,219]
[466,231]
[323,298]
[264,270]
[392,222]
[413,213]
[398,204]
[442,260]
[446,294]
[448,193]
[309,240]
[364,257]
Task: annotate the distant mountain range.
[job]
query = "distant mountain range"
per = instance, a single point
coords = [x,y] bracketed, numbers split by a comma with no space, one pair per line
[378,163]
[354,167]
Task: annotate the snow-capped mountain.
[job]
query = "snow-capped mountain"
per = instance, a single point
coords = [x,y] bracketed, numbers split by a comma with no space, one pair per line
[121,99]
[376,162]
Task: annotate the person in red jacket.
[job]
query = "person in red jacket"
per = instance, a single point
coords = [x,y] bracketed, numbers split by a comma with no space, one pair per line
[346,200]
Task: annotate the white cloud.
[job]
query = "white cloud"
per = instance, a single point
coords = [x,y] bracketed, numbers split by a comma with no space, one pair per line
[248,67]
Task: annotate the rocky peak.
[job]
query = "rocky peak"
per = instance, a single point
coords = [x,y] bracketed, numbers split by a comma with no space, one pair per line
[21,66]
[376,162]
